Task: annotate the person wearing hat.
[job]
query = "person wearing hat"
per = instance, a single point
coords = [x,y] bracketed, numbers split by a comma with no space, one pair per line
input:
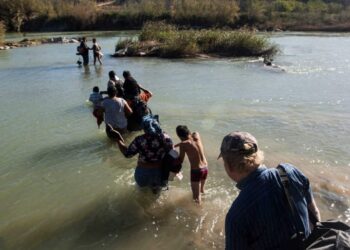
[261,217]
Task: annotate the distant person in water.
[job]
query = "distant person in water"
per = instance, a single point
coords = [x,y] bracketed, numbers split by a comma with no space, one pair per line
[192,146]
[96,99]
[267,62]
[151,148]
[115,111]
[84,51]
[96,49]
[133,90]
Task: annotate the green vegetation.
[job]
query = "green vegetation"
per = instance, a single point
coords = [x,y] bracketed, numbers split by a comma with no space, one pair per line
[23,14]
[51,15]
[164,40]
[2,31]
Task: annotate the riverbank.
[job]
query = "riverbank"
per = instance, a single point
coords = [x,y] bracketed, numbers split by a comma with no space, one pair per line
[264,15]
[34,42]
[158,39]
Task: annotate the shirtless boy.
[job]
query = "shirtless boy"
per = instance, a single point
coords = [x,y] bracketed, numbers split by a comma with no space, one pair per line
[191,145]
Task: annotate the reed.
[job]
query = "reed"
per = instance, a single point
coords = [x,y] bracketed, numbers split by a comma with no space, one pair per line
[2,31]
[173,42]
[50,15]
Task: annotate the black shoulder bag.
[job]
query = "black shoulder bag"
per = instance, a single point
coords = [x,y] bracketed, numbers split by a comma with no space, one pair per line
[326,235]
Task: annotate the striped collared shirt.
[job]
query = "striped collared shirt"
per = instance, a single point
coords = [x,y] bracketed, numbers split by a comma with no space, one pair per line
[260,217]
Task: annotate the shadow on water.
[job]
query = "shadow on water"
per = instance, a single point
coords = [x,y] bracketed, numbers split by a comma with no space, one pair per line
[107,222]
[95,148]
[68,152]
[79,110]
[98,70]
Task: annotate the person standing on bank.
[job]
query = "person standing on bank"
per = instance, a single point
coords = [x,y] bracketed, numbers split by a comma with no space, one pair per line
[260,217]
[84,51]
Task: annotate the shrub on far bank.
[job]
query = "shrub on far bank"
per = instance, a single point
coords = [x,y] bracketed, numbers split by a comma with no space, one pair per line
[2,31]
[171,42]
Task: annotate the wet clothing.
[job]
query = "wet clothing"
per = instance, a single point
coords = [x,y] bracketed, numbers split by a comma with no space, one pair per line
[114,112]
[96,98]
[259,218]
[131,88]
[84,51]
[98,114]
[148,176]
[151,148]
[199,174]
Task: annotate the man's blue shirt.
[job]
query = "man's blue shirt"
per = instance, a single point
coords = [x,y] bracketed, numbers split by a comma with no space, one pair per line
[260,217]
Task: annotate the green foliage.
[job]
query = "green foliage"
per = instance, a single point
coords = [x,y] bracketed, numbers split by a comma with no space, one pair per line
[316,6]
[123,43]
[126,14]
[157,31]
[2,31]
[176,43]
[285,5]
[205,11]
[16,13]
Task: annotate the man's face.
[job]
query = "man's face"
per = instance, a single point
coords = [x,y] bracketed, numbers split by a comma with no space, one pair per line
[227,168]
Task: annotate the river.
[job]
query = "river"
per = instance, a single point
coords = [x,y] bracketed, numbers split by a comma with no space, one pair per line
[64,185]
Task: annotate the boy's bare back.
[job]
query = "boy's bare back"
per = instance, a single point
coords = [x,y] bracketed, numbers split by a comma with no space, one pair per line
[193,148]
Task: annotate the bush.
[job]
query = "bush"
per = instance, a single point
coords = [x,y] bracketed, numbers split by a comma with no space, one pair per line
[2,31]
[123,43]
[176,43]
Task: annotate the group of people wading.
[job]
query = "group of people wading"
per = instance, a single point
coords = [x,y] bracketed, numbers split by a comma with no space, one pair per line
[125,109]
[275,208]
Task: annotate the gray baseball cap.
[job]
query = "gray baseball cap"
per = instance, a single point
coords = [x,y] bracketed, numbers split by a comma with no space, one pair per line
[234,143]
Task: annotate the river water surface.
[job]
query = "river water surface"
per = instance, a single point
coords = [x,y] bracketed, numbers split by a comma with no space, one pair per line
[64,185]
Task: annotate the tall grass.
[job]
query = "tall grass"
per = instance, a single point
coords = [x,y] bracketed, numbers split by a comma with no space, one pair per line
[52,15]
[173,42]
[2,31]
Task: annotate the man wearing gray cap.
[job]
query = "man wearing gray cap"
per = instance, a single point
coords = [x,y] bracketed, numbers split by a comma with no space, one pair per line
[261,217]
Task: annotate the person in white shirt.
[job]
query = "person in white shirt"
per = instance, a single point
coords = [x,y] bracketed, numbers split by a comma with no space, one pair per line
[115,111]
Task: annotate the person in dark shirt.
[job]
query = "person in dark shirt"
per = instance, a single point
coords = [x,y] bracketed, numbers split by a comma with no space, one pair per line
[84,51]
[133,90]
[260,217]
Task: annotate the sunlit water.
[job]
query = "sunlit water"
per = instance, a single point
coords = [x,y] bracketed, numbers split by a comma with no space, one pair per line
[63,185]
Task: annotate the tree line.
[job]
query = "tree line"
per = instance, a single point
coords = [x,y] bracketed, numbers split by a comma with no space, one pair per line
[69,15]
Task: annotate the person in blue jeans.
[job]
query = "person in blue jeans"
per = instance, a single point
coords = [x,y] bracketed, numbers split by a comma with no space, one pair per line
[260,217]
[151,148]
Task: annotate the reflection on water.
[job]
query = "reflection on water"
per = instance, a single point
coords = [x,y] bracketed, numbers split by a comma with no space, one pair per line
[64,185]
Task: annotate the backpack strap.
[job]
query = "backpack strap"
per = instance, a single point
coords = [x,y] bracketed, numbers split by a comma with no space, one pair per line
[297,238]
[285,182]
